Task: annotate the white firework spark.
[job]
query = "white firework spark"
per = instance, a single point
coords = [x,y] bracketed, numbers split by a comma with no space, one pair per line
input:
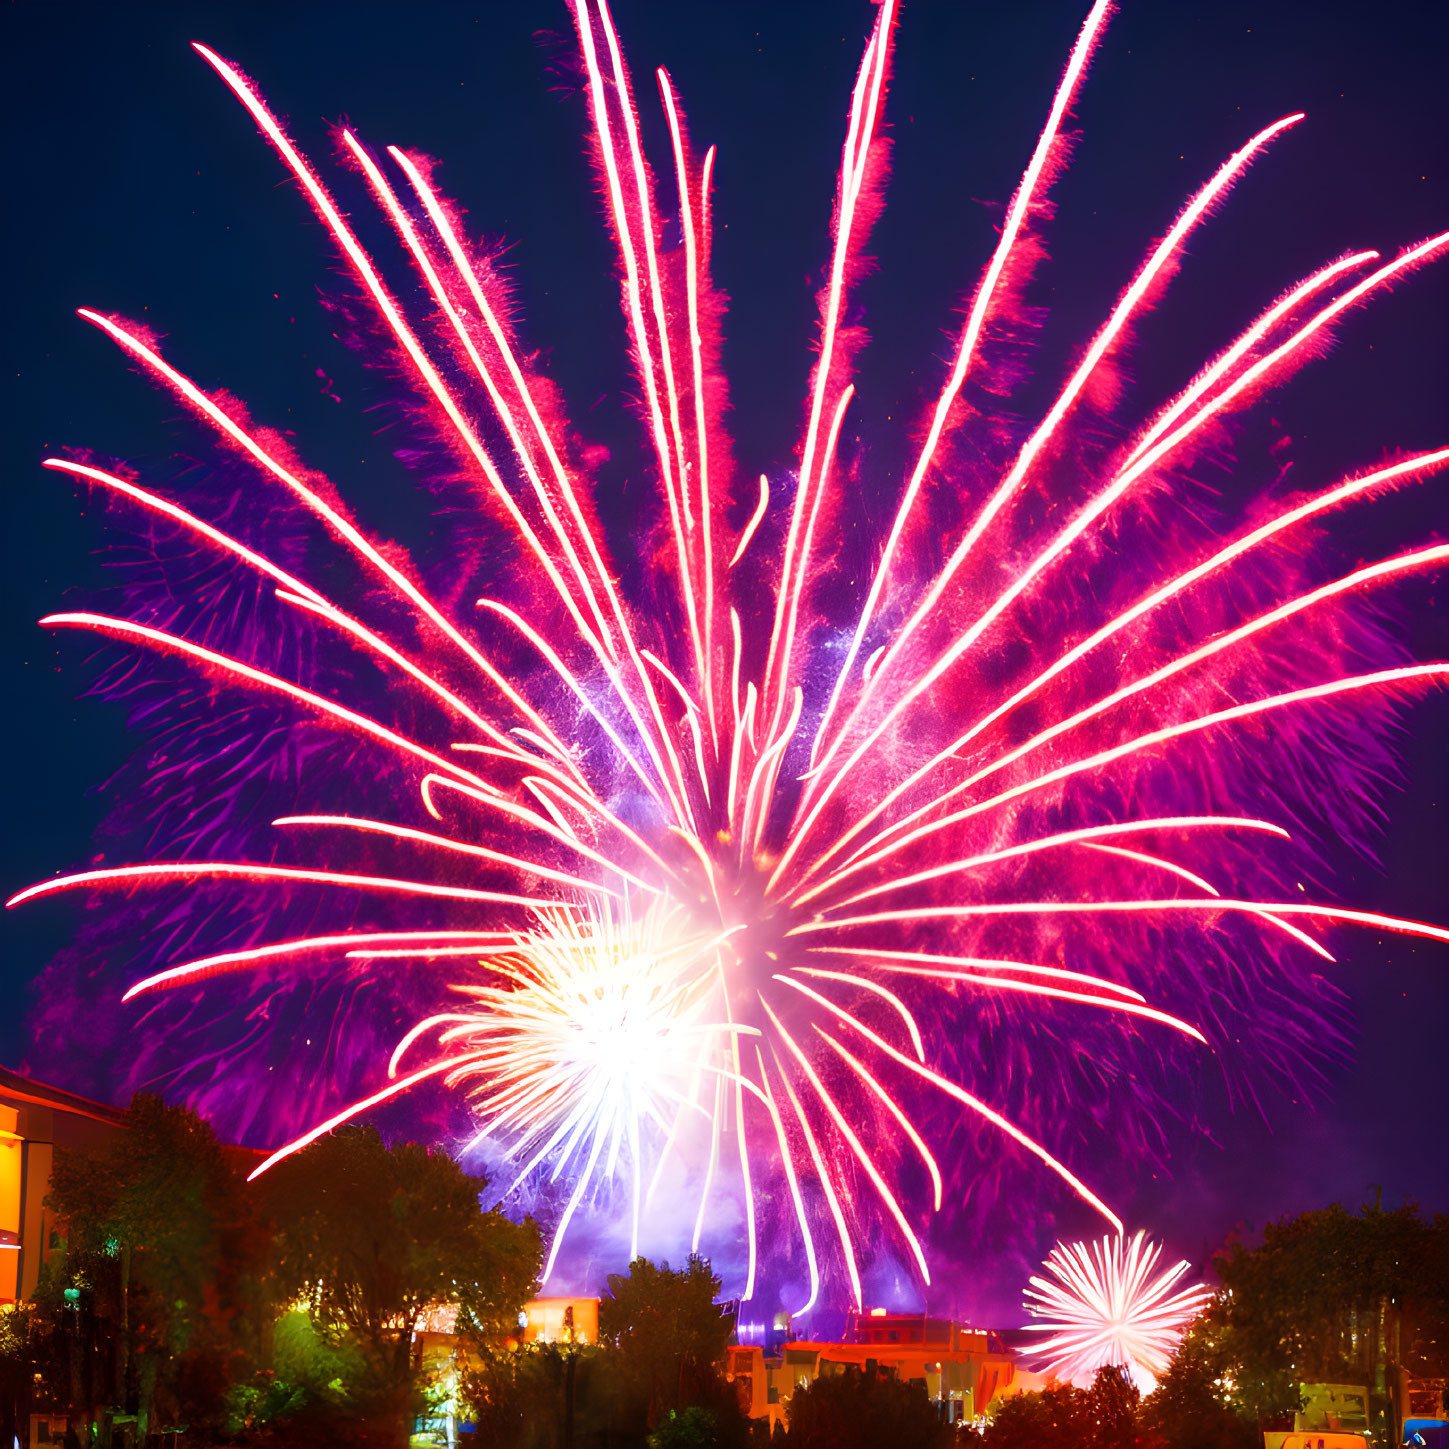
[1103,1307]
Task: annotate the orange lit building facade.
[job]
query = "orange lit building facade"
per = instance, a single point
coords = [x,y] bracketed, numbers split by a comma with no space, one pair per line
[963,1369]
[34,1121]
[560,1320]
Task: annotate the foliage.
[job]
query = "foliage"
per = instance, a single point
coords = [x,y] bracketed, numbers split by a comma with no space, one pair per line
[1056,1415]
[302,1354]
[162,1260]
[691,1428]
[371,1237]
[1332,1297]
[306,1379]
[1112,1408]
[1190,1407]
[265,1400]
[15,1320]
[668,1329]
[1252,1364]
[16,1367]
[516,1398]
[154,1298]
[309,1393]
[524,1397]
[863,1409]
[1101,1417]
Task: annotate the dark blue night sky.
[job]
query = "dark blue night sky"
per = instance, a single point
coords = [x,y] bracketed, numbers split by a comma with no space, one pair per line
[137,186]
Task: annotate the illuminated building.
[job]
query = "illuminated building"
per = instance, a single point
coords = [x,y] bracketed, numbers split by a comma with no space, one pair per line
[962,1368]
[560,1320]
[34,1121]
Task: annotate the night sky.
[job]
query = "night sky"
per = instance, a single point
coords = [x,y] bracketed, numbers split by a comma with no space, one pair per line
[138,186]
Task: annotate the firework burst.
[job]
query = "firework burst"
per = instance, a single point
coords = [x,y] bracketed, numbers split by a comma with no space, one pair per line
[1104,1308]
[588,1031]
[685,868]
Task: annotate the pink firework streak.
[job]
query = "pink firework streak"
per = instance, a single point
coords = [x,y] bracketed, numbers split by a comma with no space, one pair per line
[708,893]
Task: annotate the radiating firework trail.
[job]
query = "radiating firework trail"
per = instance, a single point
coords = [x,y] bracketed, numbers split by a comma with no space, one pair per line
[593,1034]
[1103,1307]
[718,879]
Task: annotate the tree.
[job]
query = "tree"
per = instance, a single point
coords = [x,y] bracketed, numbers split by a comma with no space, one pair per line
[668,1329]
[1189,1409]
[372,1237]
[161,1259]
[516,1398]
[302,1386]
[1062,1416]
[863,1409]
[1112,1408]
[1057,1416]
[546,1396]
[17,1358]
[691,1428]
[1333,1297]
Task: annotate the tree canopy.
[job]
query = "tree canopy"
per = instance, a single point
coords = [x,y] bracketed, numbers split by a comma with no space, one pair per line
[1191,1408]
[289,1307]
[1330,1297]
[1101,1417]
[862,1409]
[371,1237]
[667,1326]
[374,1236]
[518,1398]
[162,1247]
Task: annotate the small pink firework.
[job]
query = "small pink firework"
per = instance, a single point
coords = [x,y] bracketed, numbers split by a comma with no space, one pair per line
[1104,1308]
[724,873]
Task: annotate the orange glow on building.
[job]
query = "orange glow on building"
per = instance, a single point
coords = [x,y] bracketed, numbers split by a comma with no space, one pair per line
[34,1121]
[963,1369]
[561,1320]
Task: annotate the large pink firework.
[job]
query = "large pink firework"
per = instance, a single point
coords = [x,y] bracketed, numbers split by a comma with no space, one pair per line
[732,869]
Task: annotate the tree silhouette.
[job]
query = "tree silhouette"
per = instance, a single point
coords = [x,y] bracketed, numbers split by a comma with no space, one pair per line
[863,1409]
[162,1253]
[1333,1297]
[372,1237]
[1058,1415]
[668,1329]
[1189,1409]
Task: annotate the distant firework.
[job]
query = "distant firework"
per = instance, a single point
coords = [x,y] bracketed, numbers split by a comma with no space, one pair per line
[741,872]
[1104,1308]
